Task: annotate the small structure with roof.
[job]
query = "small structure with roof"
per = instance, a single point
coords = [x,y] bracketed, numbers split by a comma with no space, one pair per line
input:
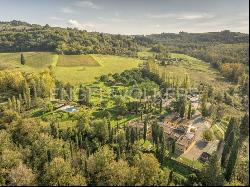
[183,143]
[181,135]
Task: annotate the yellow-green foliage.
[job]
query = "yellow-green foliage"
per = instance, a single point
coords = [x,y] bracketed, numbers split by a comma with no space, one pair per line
[198,71]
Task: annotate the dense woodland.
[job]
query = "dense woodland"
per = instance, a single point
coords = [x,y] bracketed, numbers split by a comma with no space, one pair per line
[20,36]
[36,150]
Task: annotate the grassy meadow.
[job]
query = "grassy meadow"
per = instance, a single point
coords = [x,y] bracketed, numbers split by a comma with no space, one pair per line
[76,61]
[35,61]
[74,69]
[107,64]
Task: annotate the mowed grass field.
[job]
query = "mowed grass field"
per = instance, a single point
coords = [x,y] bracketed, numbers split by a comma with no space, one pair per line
[87,74]
[74,69]
[77,60]
[35,61]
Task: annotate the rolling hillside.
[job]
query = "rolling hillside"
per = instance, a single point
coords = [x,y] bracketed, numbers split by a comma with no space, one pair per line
[74,69]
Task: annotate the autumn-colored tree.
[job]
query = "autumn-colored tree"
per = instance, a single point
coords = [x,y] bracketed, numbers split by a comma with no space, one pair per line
[21,175]
[60,172]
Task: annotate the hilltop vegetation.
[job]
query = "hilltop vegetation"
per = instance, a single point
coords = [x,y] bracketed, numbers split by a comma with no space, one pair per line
[19,36]
[225,37]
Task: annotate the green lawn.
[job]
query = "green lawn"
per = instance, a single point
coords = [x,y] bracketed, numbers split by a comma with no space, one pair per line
[35,61]
[86,74]
[76,61]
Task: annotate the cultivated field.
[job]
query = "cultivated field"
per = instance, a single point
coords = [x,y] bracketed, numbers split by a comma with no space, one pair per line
[107,64]
[35,61]
[74,69]
[77,60]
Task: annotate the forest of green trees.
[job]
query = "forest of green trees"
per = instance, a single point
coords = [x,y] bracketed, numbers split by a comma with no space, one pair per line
[20,36]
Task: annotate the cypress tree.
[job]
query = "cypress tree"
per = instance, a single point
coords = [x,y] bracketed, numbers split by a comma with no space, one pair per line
[20,98]
[244,127]
[118,153]
[160,105]
[14,104]
[49,156]
[230,127]
[161,134]
[145,130]
[77,140]
[23,61]
[231,135]
[26,94]
[170,178]
[133,136]
[81,95]
[71,149]
[109,130]
[111,135]
[227,149]
[33,90]
[211,174]
[204,98]
[189,111]
[61,93]
[54,130]
[80,140]
[173,147]
[18,103]
[127,132]
[183,103]
[88,96]
[232,161]
[10,106]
